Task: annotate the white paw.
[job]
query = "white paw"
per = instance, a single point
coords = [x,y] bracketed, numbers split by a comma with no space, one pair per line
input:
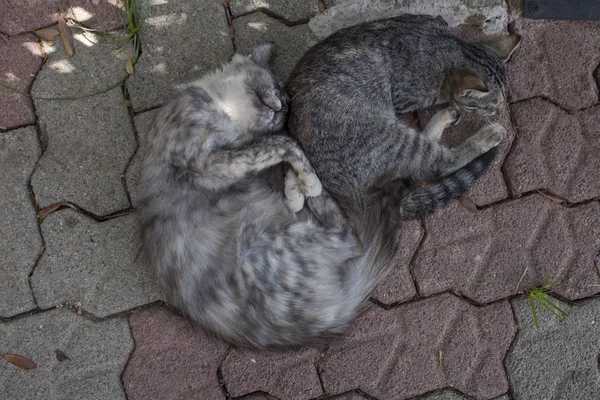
[450,116]
[293,197]
[490,136]
[311,185]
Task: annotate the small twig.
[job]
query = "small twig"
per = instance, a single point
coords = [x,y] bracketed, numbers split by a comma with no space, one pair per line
[521,280]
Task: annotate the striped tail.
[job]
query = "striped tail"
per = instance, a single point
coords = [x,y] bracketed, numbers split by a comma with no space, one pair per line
[425,200]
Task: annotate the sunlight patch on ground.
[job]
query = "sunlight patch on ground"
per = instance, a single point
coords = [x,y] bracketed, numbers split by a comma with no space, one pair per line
[33,47]
[62,66]
[10,77]
[259,26]
[81,14]
[167,20]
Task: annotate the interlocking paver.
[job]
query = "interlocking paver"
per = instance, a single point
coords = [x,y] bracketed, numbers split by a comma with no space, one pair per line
[490,187]
[488,15]
[96,351]
[143,123]
[398,286]
[90,140]
[291,10]
[99,14]
[94,263]
[555,150]
[449,395]
[182,41]
[15,17]
[557,60]
[290,42]
[21,59]
[560,360]
[171,360]
[493,253]
[423,346]
[285,374]
[20,241]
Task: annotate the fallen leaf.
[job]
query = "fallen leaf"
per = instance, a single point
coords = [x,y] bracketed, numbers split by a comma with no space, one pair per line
[19,361]
[4,37]
[552,197]
[129,66]
[467,203]
[65,35]
[127,103]
[47,33]
[231,32]
[61,356]
[225,3]
[44,212]
[321,5]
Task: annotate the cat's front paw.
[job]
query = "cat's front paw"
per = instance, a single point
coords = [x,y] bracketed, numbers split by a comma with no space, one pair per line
[310,184]
[294,199]
[490,136]
[450,116]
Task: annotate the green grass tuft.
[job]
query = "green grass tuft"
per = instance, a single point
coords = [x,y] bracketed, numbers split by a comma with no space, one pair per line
[539,296]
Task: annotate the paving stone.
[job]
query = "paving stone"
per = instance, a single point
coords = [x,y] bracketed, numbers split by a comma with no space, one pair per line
[291,10]
[398,286]
[182,42]
[97,352]
[490,187]
[20,61]
[16,18]
[449,395]
[423,346]
[560,360]
[143,123]
[90,140]
[290,42]
[348,396]
[20,241]
[172,360]
[99,14]
[288,375]
[493,253]
[489,15]
[555,150]
[94,263]
[557,60]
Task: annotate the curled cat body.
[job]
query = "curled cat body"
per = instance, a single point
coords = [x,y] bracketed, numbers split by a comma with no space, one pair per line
[227,238]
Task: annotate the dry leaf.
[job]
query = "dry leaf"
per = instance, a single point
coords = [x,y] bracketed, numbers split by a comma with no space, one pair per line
[231,32]
[47,33]
[467,203]
[321,5]
[225,3]
[552,197]
[65,35]
[129,66]
[61,356]
[127,103]
[19,361]
[44,212]
[4,37]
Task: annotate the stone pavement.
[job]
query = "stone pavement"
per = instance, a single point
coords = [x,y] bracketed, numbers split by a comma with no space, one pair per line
[450,322]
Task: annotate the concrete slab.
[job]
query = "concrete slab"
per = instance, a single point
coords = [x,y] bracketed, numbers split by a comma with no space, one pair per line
[172,360]
[449,395]
[182,41]
[97,353]
[556,150]
[560,360]
[423,346]
[488,15]
[90,140]
[284,374]
[142,122]
[290,42]
[103,15]
[490,187]
[494,253]
[16,19]
[398,286]
[290,10]
[557,60]
[93,263]
[20,241]
[21,59]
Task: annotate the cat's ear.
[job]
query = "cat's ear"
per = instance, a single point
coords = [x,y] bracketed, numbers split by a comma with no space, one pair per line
[261,54]
[466,83]
[503,46]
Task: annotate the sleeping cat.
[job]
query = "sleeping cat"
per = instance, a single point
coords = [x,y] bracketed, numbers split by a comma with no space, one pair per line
[224,241]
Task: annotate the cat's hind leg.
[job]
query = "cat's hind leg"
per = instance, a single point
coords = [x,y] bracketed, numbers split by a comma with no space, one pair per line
[440,121]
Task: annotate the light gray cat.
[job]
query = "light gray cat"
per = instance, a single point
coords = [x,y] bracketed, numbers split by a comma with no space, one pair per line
[224,241]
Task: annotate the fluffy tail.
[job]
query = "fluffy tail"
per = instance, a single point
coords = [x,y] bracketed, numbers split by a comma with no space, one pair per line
[425,200]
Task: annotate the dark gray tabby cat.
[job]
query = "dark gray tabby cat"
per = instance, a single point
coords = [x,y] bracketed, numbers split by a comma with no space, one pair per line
[226,246]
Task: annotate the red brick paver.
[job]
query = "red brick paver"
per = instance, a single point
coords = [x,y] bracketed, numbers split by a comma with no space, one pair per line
[423,346]
[493,253]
